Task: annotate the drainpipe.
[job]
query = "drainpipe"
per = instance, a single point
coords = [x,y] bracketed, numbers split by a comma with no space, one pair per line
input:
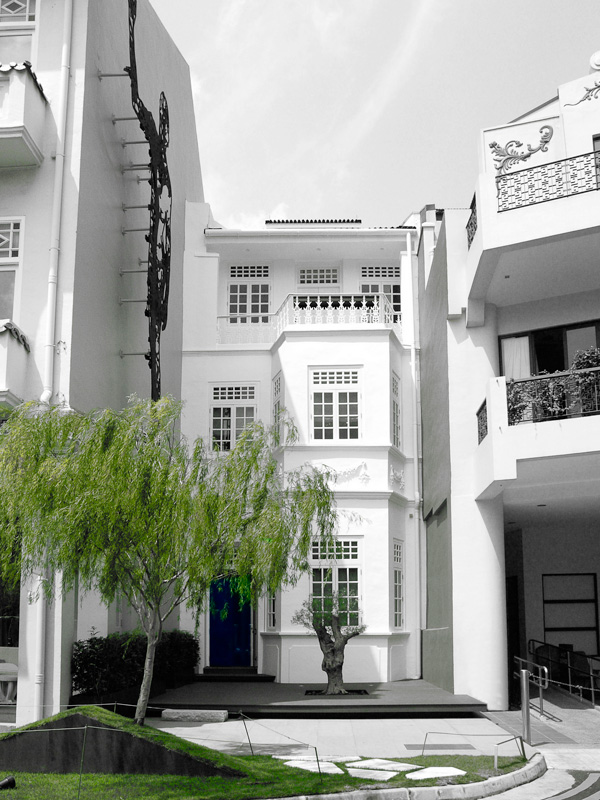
[48,391]
[61,127]
[40,649]
[415,458]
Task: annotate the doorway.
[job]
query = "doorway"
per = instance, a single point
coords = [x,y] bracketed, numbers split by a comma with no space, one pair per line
[230,627]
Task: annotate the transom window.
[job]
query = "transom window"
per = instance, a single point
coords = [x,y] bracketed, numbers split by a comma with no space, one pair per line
[234,392]
[249,271]
[17,11]
[335,411]
[380,271]
[342,581]
[318,275]
[340,550]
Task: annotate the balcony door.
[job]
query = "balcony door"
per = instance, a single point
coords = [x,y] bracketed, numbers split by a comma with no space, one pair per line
[546,349]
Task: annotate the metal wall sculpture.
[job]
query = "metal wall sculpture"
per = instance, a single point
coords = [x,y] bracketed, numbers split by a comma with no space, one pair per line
[159,233]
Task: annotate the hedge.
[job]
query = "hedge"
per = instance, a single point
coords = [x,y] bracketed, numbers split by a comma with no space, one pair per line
[105,664]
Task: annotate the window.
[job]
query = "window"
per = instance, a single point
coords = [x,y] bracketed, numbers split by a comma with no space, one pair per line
[341,549]
[10,252]
[398,557]
[17,10]
[272,611]
[571,611]
[249,300]
[343,581]
[396,411]
[228,420]
[391,292]
[277,396]
[546,349]
[318,275]
[335,409]
[379,271]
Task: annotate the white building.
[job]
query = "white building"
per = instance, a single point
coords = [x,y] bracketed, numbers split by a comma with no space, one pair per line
[511,477]
[74,200]
[317,318]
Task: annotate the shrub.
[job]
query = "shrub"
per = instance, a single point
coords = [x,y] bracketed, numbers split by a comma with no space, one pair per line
[104,664]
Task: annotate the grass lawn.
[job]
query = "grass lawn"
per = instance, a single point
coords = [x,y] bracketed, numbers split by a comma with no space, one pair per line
[255,776]
[265,777]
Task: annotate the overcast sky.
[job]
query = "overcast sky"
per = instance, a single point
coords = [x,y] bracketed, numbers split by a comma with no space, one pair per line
[364,108]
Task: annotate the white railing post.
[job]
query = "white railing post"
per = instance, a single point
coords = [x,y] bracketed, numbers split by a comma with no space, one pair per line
[525,710]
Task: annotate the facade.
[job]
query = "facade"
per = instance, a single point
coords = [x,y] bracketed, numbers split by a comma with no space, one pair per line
[316,318]
[73,216]
[509,298]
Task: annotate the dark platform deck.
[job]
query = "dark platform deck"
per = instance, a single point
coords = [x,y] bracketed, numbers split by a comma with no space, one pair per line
[391,700]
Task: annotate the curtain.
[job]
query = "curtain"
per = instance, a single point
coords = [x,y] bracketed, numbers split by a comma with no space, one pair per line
[515,357]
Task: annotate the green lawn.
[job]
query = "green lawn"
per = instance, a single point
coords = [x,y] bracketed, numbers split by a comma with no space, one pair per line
[256,776]
[265,777]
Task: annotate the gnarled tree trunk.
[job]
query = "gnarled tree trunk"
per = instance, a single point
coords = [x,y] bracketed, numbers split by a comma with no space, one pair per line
[332,646]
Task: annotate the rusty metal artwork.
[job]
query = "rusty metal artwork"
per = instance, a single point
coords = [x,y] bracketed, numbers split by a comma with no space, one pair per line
[160,205]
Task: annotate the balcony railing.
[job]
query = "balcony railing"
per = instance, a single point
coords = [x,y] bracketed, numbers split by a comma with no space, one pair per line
[482,423]
[556,396]
[472,224]
[527,187]
[351,310]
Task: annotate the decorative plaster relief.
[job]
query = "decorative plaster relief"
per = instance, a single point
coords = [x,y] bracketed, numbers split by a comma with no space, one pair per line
[590,94]
[359,472]
[397,477]
[507,156]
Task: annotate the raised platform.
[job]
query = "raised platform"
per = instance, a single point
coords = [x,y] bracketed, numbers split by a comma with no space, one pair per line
[391,700]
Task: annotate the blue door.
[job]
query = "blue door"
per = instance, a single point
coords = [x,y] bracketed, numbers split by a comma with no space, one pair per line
[230,633]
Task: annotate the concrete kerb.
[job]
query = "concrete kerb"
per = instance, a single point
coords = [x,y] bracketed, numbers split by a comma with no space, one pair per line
[469,791]
[193,715]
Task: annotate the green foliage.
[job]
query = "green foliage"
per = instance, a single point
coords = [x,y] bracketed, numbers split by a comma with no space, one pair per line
[118,502]
[102,665]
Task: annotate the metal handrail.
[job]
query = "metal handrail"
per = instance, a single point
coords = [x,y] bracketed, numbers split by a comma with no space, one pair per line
[564,660]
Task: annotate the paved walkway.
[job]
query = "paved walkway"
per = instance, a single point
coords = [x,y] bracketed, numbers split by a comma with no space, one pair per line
[568,737]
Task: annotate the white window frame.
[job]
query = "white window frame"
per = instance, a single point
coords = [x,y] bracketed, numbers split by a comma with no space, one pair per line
[12,263]
[234,398]
[271,611]
[396,411]
[391,290]
[343,580]
[335,394]
[277,391]
[8,18]
[398,583]
[311,278]
[255,299]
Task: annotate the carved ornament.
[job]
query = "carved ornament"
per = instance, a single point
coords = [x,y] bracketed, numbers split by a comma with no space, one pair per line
[507,156]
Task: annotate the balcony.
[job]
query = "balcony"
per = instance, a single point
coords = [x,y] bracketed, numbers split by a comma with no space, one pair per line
[564,178]
[22,116]
[314,311]
[561,395]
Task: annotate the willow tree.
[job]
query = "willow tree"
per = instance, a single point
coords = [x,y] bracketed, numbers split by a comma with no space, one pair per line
[117,502]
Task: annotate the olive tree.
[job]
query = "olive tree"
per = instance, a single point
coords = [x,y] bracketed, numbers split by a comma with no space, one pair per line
[328,618]
[117,502]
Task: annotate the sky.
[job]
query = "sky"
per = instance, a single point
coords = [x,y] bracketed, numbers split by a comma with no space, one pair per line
[364,109]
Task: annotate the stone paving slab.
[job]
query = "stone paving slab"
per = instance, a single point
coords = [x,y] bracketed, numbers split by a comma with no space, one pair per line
[371,774]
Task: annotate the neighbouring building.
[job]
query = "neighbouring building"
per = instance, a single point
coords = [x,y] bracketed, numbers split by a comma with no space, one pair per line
[74,200]
[316,317]
[509,298]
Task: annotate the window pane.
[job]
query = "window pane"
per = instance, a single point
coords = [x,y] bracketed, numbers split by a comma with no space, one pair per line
[7,293]
[221,428]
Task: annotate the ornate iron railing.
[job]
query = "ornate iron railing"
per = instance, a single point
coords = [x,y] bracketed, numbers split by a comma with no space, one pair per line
[569,176]
[307,310]
[472,224]
[17,11]
[482,422]
[556,396]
